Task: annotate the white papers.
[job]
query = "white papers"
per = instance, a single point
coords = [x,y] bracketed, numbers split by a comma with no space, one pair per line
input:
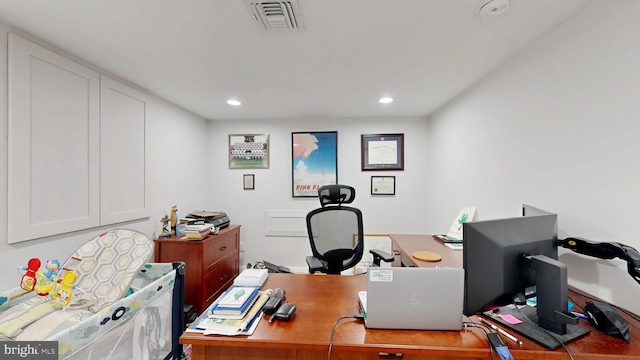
[362,297]
[251,277]
[199,227]
[466,214]
[244,326]
[454,246]
[383,152]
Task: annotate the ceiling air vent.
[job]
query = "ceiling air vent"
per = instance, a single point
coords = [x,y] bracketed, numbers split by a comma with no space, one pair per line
[276,16]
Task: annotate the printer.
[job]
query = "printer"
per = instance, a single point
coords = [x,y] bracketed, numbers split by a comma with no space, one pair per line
[219,219]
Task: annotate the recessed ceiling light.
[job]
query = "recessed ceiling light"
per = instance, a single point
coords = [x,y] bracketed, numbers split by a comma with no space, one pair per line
[493,7]
[234,102]
[385,100]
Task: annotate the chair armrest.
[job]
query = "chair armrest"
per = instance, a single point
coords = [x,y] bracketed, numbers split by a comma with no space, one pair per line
[380,255]
[314,264]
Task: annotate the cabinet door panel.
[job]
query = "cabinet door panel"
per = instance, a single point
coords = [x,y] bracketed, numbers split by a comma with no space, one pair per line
[53,143]
[123,190]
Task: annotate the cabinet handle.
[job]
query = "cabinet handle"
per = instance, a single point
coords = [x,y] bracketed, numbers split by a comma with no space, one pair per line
[223,248]
[383,355]
[224,277]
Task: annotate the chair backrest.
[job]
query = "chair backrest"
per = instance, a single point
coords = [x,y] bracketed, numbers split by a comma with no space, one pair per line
[336,195]
[336,231]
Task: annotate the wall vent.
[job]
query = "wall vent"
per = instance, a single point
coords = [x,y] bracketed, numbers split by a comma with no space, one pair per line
[276,16]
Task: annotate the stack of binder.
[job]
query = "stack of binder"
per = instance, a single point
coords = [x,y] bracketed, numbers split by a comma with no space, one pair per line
[198,232]
[236,302]
[236,312]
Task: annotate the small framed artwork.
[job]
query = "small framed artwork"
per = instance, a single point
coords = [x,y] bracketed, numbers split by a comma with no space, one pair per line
[248,151]
[382,152]
[314,162]
[248,181]
[383,185]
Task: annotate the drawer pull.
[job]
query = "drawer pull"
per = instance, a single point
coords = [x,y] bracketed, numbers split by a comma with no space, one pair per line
[223,248]
[383,355]
[224,277]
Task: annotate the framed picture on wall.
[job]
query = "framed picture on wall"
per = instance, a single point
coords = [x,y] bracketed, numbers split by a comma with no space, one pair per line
[248,151]
[383,185]
[382,152]
[314,162]
[248,181]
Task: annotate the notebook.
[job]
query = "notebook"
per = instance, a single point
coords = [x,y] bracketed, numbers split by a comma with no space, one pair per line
[413,298]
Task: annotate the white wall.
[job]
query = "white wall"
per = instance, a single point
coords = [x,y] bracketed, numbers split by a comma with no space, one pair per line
[177,170]
[403,213]
[555,127]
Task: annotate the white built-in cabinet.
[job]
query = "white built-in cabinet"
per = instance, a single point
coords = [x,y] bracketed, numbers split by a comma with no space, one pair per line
[123,194]
[76,157]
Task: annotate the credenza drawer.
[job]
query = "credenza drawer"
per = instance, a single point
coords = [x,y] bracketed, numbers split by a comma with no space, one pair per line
[220,278]
[221,246]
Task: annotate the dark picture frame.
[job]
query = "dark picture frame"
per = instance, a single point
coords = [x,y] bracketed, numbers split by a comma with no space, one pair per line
[248,182]
[314,162]
[383,185]
[382,152]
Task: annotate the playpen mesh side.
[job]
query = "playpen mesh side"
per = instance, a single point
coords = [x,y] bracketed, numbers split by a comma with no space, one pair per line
[144,325]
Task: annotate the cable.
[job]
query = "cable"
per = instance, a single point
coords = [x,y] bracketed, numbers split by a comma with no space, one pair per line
[358,317]
[468,324]
[544,330]
[501,348]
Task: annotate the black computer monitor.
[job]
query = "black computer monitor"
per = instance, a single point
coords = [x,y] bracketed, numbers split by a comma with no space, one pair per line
[494,258]
[528,210]
[503,258]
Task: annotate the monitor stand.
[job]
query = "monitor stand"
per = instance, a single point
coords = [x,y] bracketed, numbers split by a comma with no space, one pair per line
[531,331]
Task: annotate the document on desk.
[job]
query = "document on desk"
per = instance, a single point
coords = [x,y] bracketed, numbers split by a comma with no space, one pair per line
[362,298]
[454,246]
[245,326]
[251,277]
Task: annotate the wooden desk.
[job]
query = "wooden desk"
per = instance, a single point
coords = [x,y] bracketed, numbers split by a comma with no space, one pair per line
[405,244]
[322,299]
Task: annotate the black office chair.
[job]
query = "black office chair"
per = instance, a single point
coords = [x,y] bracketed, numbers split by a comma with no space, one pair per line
[335,233]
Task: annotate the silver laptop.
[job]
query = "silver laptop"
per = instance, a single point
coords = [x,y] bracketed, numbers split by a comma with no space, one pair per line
[413,298]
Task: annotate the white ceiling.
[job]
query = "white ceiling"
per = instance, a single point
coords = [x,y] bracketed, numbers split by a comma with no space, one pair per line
[199,53]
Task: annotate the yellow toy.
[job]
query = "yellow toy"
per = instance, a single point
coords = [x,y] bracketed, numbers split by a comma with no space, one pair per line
[47,280]
[63,296]
[174,219]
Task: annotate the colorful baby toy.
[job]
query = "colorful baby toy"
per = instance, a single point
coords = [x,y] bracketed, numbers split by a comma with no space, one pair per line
[46,281]
[29,279]
[63,296]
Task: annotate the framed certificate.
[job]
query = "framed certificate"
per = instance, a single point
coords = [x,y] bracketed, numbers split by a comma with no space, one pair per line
[382,152]
[248,181]
[383,185]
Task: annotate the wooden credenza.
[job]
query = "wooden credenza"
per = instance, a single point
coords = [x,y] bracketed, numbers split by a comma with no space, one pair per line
[212,263]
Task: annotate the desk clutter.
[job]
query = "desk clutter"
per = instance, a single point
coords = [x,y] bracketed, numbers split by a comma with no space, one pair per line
[239,313]
[239,309]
